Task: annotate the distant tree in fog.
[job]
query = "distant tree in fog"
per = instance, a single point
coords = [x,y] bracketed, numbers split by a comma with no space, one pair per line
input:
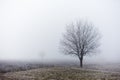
[81,38]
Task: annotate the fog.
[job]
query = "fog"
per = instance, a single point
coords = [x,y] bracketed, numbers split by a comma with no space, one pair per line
[31,30]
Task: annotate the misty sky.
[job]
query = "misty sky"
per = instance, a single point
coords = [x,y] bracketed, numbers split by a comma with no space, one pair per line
[32,29]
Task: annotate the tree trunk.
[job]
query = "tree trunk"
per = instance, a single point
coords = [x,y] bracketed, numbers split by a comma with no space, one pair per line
[81,62]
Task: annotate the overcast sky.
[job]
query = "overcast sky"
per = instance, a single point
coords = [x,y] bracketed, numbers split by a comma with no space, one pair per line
[32,29]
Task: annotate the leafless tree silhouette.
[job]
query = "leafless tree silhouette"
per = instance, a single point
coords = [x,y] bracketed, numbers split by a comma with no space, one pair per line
[80,39]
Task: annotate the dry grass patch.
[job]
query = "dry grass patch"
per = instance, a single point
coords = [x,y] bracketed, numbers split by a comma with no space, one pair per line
[62,73]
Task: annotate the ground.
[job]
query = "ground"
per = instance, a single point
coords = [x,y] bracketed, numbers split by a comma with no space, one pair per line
[62,73]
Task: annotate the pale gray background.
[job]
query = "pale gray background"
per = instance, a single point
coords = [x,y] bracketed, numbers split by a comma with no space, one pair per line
[31,29]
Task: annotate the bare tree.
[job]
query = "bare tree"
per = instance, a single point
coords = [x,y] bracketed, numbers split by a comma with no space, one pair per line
[80,39]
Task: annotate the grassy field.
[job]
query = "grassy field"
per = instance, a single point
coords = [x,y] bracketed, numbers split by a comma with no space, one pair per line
[61,73]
